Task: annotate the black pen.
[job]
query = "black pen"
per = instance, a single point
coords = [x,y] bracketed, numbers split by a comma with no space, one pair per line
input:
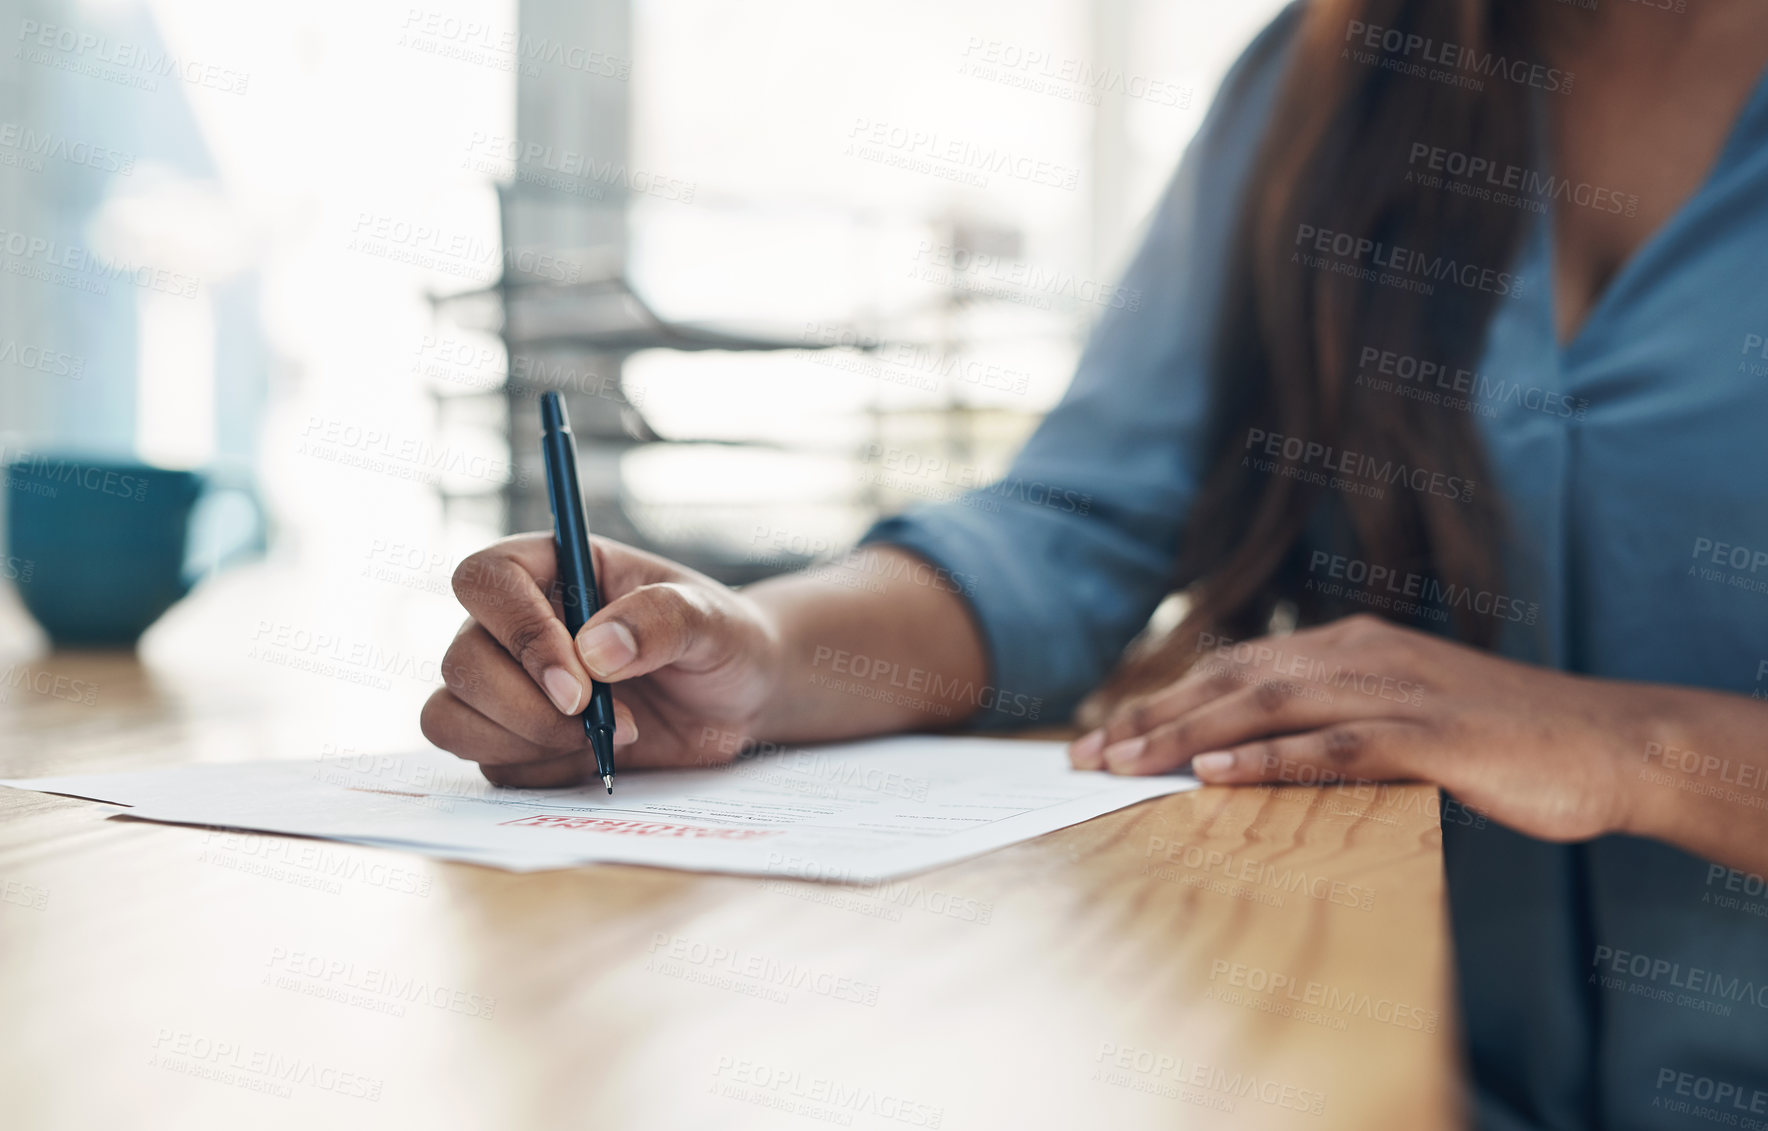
[576,566]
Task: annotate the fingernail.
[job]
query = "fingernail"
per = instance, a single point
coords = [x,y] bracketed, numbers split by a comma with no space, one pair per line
[1212,765]
[606,649]
[625,732]
[1122,754]
[1085,750]
[562,689]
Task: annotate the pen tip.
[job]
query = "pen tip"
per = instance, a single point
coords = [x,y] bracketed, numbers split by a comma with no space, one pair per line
[608,780]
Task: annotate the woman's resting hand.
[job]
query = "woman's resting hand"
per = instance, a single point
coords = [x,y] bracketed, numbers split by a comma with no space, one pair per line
[1550,754]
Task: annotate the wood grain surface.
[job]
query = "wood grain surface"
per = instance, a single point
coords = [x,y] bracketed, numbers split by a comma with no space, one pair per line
[1246,958]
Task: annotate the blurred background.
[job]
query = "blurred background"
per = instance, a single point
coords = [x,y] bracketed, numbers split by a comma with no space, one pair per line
[795,263]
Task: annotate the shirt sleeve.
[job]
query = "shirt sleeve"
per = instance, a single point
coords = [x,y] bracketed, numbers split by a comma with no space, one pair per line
[1066,557]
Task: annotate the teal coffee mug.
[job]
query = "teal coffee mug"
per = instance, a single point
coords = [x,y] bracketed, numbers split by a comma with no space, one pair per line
[102,549]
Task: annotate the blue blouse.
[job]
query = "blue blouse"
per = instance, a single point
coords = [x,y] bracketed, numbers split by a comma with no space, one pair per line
[1620,983]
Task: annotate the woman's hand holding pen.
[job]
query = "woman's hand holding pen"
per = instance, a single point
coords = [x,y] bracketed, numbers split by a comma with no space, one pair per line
[1550,754]
[514,679]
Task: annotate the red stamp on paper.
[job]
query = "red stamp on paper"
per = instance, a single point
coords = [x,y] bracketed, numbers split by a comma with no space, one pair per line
[639,828]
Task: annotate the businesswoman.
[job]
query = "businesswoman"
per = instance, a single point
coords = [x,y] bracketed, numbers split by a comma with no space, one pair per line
[1445,405]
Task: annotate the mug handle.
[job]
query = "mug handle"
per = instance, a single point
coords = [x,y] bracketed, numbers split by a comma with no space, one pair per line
[203,556]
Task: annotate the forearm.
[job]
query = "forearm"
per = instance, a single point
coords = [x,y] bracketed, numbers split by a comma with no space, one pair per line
[880,642]
[1699,776]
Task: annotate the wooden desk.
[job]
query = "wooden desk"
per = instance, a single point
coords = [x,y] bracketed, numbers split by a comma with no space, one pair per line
[1117,974]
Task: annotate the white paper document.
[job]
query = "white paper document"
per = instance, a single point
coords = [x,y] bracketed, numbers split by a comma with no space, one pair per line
[857,812]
